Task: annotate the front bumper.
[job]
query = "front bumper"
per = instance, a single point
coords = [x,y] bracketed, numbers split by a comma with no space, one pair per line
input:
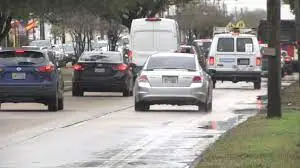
[170,95]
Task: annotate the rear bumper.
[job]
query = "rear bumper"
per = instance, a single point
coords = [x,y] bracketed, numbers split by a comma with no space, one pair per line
[237,76]
[26,93]
[102,85]
[174,96]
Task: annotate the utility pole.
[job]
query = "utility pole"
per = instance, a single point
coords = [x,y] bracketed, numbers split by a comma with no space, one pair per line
[42,28]
[274,77]
[297,10]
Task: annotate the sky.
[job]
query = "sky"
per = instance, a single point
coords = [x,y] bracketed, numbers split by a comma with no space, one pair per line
[257,4]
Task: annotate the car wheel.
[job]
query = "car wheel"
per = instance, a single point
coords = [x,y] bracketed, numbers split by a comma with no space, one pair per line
[141,107]
[282,73]
[214,84]
[0,106]
[290,72]
[257,85]
[77,91]
[126,93]
[61,104]
[53,104]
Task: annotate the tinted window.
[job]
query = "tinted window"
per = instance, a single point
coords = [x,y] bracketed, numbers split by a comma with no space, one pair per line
[12,58]
[189,50]
[204,46]
[242,44]
[105,58]
[169,62]
[225,45]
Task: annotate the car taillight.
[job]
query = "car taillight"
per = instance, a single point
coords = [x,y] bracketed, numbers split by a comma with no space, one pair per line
[46,68]
[120,67]
[19,51]
[287,59]
[197,79]
[211,60]
[143,79]
[258,61]
[78,67]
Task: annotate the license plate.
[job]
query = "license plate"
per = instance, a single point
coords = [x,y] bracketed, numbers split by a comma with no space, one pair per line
[243,61]
[99,70]
[18,76]
[170,79]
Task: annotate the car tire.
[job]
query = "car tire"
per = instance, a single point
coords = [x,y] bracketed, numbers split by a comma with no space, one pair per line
[126,93]
[61,104]
[257,85]
[214,84]
[77,91]
[282,73]
[53,104]
[131,93]
[141,107]
[290,72]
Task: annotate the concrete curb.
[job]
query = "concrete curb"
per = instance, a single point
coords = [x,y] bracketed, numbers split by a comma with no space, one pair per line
[199,158]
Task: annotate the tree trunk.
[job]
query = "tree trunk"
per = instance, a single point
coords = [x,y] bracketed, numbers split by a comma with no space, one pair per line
[274,78]
[297,14]
[5,25]
[42,28]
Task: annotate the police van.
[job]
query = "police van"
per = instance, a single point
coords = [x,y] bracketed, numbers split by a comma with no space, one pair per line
[235,56]
[149,36]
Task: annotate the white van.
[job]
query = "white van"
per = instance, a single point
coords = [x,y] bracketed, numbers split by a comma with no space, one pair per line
[152,35]
[235,57]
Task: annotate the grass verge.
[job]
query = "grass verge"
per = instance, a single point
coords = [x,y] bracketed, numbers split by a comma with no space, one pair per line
[261,142]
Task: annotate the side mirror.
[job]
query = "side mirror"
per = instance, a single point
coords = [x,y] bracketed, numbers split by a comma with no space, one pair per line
[132,65]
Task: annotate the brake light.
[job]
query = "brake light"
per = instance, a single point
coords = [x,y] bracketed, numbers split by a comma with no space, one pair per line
[143,79]
[46,68]
[197,79]
[20,51]
[258,61]
[120,67]
[78,67]
[153,19]
[211,60]
[287,59]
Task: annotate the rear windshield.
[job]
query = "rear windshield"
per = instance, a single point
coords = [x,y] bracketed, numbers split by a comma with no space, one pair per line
[11,58]
[104,58]
[244,45]
[225,45]
[189,50]
[169,62]
[204,46]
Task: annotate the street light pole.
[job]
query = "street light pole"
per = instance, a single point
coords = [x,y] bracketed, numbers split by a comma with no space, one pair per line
[274,77]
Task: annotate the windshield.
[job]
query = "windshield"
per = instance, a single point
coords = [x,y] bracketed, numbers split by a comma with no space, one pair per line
[169,62]
[40,43]
[11,58]
[98,57]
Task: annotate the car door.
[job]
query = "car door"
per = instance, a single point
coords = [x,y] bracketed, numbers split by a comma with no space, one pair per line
[245,54]
[225,55]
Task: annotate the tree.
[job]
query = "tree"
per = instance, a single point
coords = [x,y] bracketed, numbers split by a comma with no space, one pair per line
[198,19]
[252,18]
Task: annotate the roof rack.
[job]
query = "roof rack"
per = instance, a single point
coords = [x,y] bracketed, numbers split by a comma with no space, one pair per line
[226,30]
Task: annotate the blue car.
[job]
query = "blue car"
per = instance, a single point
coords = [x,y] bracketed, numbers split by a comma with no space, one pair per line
[31,76]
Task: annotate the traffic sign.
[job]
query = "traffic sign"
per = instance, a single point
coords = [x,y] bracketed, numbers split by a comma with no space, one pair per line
[267,51]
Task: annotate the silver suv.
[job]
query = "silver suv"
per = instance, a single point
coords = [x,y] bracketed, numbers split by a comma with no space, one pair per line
[235,57]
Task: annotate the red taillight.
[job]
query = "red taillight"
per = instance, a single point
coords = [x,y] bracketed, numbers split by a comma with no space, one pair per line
[78,67]
[153,19]
[287,59]
[258,61]
[143,79]
[211,60]
[197,79]
[46,68]
[20,51]
[120,67]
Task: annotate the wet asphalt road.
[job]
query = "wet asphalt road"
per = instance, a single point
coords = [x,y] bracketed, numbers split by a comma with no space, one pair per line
[102,130]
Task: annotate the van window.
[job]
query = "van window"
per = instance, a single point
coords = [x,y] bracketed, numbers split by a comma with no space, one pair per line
[241,44]
[143,41]
[225,45]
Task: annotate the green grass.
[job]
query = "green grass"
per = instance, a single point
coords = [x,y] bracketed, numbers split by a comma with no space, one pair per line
[261,142]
